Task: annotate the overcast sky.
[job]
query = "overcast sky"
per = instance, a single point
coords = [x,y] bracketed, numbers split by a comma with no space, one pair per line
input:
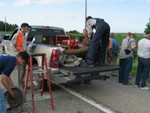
[122,15]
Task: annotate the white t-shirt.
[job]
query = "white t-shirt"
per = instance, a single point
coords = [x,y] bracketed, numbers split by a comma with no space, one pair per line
[91,22]
[144,48]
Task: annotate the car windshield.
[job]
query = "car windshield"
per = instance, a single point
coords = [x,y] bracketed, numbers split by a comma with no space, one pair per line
[44,32]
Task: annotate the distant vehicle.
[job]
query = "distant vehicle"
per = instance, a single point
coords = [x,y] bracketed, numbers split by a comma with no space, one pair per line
[4,36]
[1,37]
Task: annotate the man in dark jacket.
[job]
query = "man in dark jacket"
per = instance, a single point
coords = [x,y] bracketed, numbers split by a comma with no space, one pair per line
[99,40]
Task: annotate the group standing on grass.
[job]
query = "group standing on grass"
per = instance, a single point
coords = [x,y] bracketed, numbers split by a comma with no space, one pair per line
[126,59]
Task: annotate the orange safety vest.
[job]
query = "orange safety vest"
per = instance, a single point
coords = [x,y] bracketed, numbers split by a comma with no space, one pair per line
[20,42]
[110,43]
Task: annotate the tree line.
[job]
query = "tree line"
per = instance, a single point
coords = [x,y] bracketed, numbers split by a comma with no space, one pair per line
[147,29]
[9,27]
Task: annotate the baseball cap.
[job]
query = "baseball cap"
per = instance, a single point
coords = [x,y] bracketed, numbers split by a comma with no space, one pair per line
[146,33]
[25,25]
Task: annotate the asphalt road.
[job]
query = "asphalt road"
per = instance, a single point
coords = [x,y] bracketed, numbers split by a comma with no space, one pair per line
[111,95]
[122,98]
[64,102]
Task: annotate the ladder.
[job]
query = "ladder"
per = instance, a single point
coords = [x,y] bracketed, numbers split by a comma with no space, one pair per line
[43,70]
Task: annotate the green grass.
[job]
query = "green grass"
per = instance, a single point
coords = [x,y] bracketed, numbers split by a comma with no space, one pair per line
[75,34]
[2,32]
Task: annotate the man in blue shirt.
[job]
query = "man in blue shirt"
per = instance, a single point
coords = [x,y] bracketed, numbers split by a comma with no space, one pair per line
[7,64]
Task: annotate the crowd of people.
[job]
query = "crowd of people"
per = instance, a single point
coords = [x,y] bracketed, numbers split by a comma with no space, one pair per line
[102,37]
[126,57]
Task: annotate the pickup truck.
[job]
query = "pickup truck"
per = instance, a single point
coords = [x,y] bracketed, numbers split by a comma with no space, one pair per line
[46,38]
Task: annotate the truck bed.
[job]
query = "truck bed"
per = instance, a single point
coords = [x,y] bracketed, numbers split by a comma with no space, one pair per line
[87,70]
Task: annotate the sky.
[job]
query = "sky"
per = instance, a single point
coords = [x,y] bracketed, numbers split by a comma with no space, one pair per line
[121,15]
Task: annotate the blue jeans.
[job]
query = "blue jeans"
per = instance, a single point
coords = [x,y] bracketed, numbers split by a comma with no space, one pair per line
[101,34]
[142,71]
[2,103]
[125,69]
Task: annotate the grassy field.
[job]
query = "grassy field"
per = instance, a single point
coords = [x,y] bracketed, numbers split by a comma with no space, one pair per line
[2,32]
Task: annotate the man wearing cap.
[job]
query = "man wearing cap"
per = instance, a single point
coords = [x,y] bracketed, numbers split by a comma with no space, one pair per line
[143,62]
[20,43]
[7,64]
[19,39]
[99,39]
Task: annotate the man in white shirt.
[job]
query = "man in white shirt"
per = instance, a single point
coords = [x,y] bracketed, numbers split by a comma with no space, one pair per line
[143,62]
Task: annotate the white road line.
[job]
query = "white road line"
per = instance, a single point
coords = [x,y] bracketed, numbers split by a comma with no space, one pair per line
[88,100]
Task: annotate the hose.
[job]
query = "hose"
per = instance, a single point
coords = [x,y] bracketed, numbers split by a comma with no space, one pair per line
[76,51]
[17,100]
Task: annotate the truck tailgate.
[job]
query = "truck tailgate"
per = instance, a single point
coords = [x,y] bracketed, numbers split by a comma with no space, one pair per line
[87,70]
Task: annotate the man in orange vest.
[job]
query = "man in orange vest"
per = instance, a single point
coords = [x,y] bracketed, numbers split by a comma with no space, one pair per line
[114,56]
[19,39]
[109,51]
[20,43]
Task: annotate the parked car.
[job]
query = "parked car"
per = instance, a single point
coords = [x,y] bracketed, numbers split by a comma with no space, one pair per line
[4,37]
[1,37]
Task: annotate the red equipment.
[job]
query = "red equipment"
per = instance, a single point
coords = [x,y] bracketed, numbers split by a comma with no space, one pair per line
[71,42]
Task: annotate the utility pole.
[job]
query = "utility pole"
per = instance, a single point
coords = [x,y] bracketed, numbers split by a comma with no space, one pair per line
[85,11]
[149,20]
[5,25]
